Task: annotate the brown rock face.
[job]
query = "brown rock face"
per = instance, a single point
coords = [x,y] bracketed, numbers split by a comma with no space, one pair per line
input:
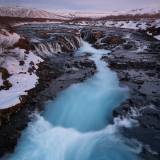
[91,35]
[102,38]
[113,40]
[23,44]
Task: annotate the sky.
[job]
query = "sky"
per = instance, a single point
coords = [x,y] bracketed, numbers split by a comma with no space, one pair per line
[83,5]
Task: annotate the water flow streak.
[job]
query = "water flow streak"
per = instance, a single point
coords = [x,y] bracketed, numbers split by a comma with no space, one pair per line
[75,126]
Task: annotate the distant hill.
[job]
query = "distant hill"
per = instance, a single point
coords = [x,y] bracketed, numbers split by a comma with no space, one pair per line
[65,15]
[28,13]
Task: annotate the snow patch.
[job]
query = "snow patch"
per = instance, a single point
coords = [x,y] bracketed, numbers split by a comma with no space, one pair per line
[136,25]
[157,37]
[7,39]
[128,24]
[20,65]
[21,79]
[21,84]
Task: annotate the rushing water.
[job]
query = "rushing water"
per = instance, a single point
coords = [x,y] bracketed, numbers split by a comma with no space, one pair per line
[76,125]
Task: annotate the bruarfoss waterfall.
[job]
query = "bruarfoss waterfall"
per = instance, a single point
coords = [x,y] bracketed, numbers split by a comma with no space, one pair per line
[77,125]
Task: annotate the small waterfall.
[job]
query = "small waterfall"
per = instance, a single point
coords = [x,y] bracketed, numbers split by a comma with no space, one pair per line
[56,45]
[76,125]
[47,49]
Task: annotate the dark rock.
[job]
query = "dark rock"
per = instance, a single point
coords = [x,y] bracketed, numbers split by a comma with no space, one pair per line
[5,73]
[91,35]
[6,85]
[21,63]
[113,40]
[153,30]
[129,46]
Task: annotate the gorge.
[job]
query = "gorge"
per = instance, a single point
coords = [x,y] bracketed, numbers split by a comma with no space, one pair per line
[76,125]
[86,111]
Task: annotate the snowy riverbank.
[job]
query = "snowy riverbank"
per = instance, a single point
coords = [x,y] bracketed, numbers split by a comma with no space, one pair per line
[17,70]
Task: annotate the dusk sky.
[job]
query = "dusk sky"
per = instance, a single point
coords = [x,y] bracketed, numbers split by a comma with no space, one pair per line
[83,5]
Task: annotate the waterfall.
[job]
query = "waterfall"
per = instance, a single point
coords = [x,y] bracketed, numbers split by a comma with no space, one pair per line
[59,44]
[47,49]
[77,124]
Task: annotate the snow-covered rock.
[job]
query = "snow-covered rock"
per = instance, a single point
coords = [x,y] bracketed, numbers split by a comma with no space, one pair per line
[127,24]
[21,67]
[21,79]
[7,39]
[130,24]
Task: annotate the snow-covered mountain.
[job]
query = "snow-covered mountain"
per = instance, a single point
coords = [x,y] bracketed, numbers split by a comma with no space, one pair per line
[67,14]
[28,13]
[141,11]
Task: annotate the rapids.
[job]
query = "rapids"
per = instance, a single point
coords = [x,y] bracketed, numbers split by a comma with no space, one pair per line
[77,125]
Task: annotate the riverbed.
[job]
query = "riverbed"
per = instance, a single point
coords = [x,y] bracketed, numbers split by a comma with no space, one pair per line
[78,124]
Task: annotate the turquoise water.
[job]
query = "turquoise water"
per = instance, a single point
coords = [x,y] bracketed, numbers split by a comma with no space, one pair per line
[76,125]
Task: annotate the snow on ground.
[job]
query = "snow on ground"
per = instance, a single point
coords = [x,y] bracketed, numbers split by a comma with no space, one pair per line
[118,24]
[20,79]
[21,83]
[157,37]
[136,25]
[12,63]
[22,68]
[130,24]
[157,23]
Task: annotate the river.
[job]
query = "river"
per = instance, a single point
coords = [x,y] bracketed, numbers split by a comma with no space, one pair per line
[78,124]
